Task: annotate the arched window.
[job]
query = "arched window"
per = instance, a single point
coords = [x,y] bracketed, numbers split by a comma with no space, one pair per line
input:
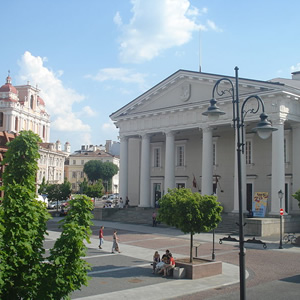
[31,102]
[16,124]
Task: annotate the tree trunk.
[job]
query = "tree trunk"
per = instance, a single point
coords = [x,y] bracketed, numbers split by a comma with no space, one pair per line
[191,249]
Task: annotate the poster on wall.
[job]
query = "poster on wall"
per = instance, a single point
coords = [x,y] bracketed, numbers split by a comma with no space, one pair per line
[259,205]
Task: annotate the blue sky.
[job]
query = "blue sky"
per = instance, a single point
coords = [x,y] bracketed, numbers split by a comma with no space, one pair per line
[90,58]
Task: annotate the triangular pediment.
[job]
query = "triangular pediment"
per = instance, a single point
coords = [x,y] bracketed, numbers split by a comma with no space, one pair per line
[185,90]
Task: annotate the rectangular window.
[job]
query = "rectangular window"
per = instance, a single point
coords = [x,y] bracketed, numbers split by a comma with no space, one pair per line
[156,157]
[81,174]
[74,162]
[248,147]
[180,156]
[73,174]
[180,185]
[82,162]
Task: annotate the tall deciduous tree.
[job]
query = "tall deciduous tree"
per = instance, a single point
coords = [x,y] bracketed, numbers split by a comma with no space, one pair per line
[190,212]
[23,271]
[96,169]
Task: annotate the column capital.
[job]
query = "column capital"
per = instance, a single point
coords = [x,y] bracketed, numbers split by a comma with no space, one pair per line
[123,138]
[169,133]
[207,128]
[277,121]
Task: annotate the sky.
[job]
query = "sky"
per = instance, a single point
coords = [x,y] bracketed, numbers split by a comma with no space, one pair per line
[90,58]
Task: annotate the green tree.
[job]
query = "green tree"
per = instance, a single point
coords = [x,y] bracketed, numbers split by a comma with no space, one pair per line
[94,190]
[297,197]
[43,187]
[96,169]
[59,191]
[190,212]
[23,271]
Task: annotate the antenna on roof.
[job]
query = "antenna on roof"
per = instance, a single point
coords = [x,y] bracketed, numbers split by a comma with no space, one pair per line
[199,50]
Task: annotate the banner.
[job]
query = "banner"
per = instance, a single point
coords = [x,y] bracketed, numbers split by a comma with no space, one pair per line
[259,204]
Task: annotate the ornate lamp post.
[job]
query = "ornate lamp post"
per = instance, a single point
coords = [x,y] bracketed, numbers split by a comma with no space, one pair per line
[263,129]
[280,196]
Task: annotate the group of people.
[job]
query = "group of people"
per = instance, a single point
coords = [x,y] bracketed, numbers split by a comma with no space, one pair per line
[163,265]
[115,244]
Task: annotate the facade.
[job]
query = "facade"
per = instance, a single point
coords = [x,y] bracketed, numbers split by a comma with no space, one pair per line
[75,163]
[21,108]
[166,142]
[51,162]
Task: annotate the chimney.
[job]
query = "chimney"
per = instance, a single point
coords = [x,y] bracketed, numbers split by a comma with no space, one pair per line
[107,146]
[296,75]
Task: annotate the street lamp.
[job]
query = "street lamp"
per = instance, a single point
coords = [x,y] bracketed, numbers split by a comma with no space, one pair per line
[280,196]
[263,129]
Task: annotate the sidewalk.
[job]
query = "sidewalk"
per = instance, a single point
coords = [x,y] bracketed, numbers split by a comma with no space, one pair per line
[143,250]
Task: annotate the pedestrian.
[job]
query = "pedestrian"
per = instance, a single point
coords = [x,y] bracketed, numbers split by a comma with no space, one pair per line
[121,203]
[127,202]
[154,219]
[156,260]
[115,245]
[101,240]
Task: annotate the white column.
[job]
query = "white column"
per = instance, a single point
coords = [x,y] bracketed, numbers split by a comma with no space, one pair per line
[296,165]
[244,176]
[207,162]
[124,168]
[278,175]
[145,172]
[169,162]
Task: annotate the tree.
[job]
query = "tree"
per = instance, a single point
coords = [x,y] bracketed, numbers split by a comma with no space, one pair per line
[96,169]
[58,192]
[94,190]
[297,197]
[190,212]
[23,271]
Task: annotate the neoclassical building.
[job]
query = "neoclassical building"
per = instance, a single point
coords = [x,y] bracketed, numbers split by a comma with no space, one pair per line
[167,142]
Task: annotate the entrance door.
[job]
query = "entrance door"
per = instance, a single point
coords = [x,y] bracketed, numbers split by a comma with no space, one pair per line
[157,193]
[249,196]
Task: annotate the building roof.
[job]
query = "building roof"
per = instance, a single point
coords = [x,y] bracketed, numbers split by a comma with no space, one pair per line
[96,153]
[8,87]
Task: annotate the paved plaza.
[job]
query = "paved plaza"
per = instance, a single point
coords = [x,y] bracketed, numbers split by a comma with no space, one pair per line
[128,275]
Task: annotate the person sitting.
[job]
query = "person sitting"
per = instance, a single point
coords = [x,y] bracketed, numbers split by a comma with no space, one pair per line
[170,266]
[165,257]
[156,260]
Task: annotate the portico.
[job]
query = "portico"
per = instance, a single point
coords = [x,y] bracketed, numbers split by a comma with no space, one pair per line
[167,143]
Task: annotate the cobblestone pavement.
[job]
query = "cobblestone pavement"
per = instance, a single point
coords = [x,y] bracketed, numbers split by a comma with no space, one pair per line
[266,267]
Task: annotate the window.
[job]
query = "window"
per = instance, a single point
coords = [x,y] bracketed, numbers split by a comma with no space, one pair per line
[81,174]
[82,162]
[156,158]
[31,102]
[180,156]
[74,162]
[214,154]
[180,185]
[16,124]
[73,174]
[1,119]
[248,148]
[73,186]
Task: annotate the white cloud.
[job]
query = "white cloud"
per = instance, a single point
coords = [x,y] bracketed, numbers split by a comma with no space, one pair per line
[156,26]
[213,26]
[109,127]
[119,74]
[295,68]
[88,111]
[58,99]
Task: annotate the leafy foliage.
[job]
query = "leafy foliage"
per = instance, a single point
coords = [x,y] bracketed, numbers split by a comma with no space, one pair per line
[23,271]
[66,271]
[58,191]
[297,197]
[190,212]
[96,169]
[92,190]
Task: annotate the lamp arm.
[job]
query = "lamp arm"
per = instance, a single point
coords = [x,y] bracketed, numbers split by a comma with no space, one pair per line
[253,111]
[223,91]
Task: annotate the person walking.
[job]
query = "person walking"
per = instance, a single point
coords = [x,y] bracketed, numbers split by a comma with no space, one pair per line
[154,219]
[127,202]
[101,240]
[115,245]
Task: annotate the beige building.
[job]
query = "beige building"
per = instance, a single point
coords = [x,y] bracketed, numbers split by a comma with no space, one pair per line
[75,163]
[21,108]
